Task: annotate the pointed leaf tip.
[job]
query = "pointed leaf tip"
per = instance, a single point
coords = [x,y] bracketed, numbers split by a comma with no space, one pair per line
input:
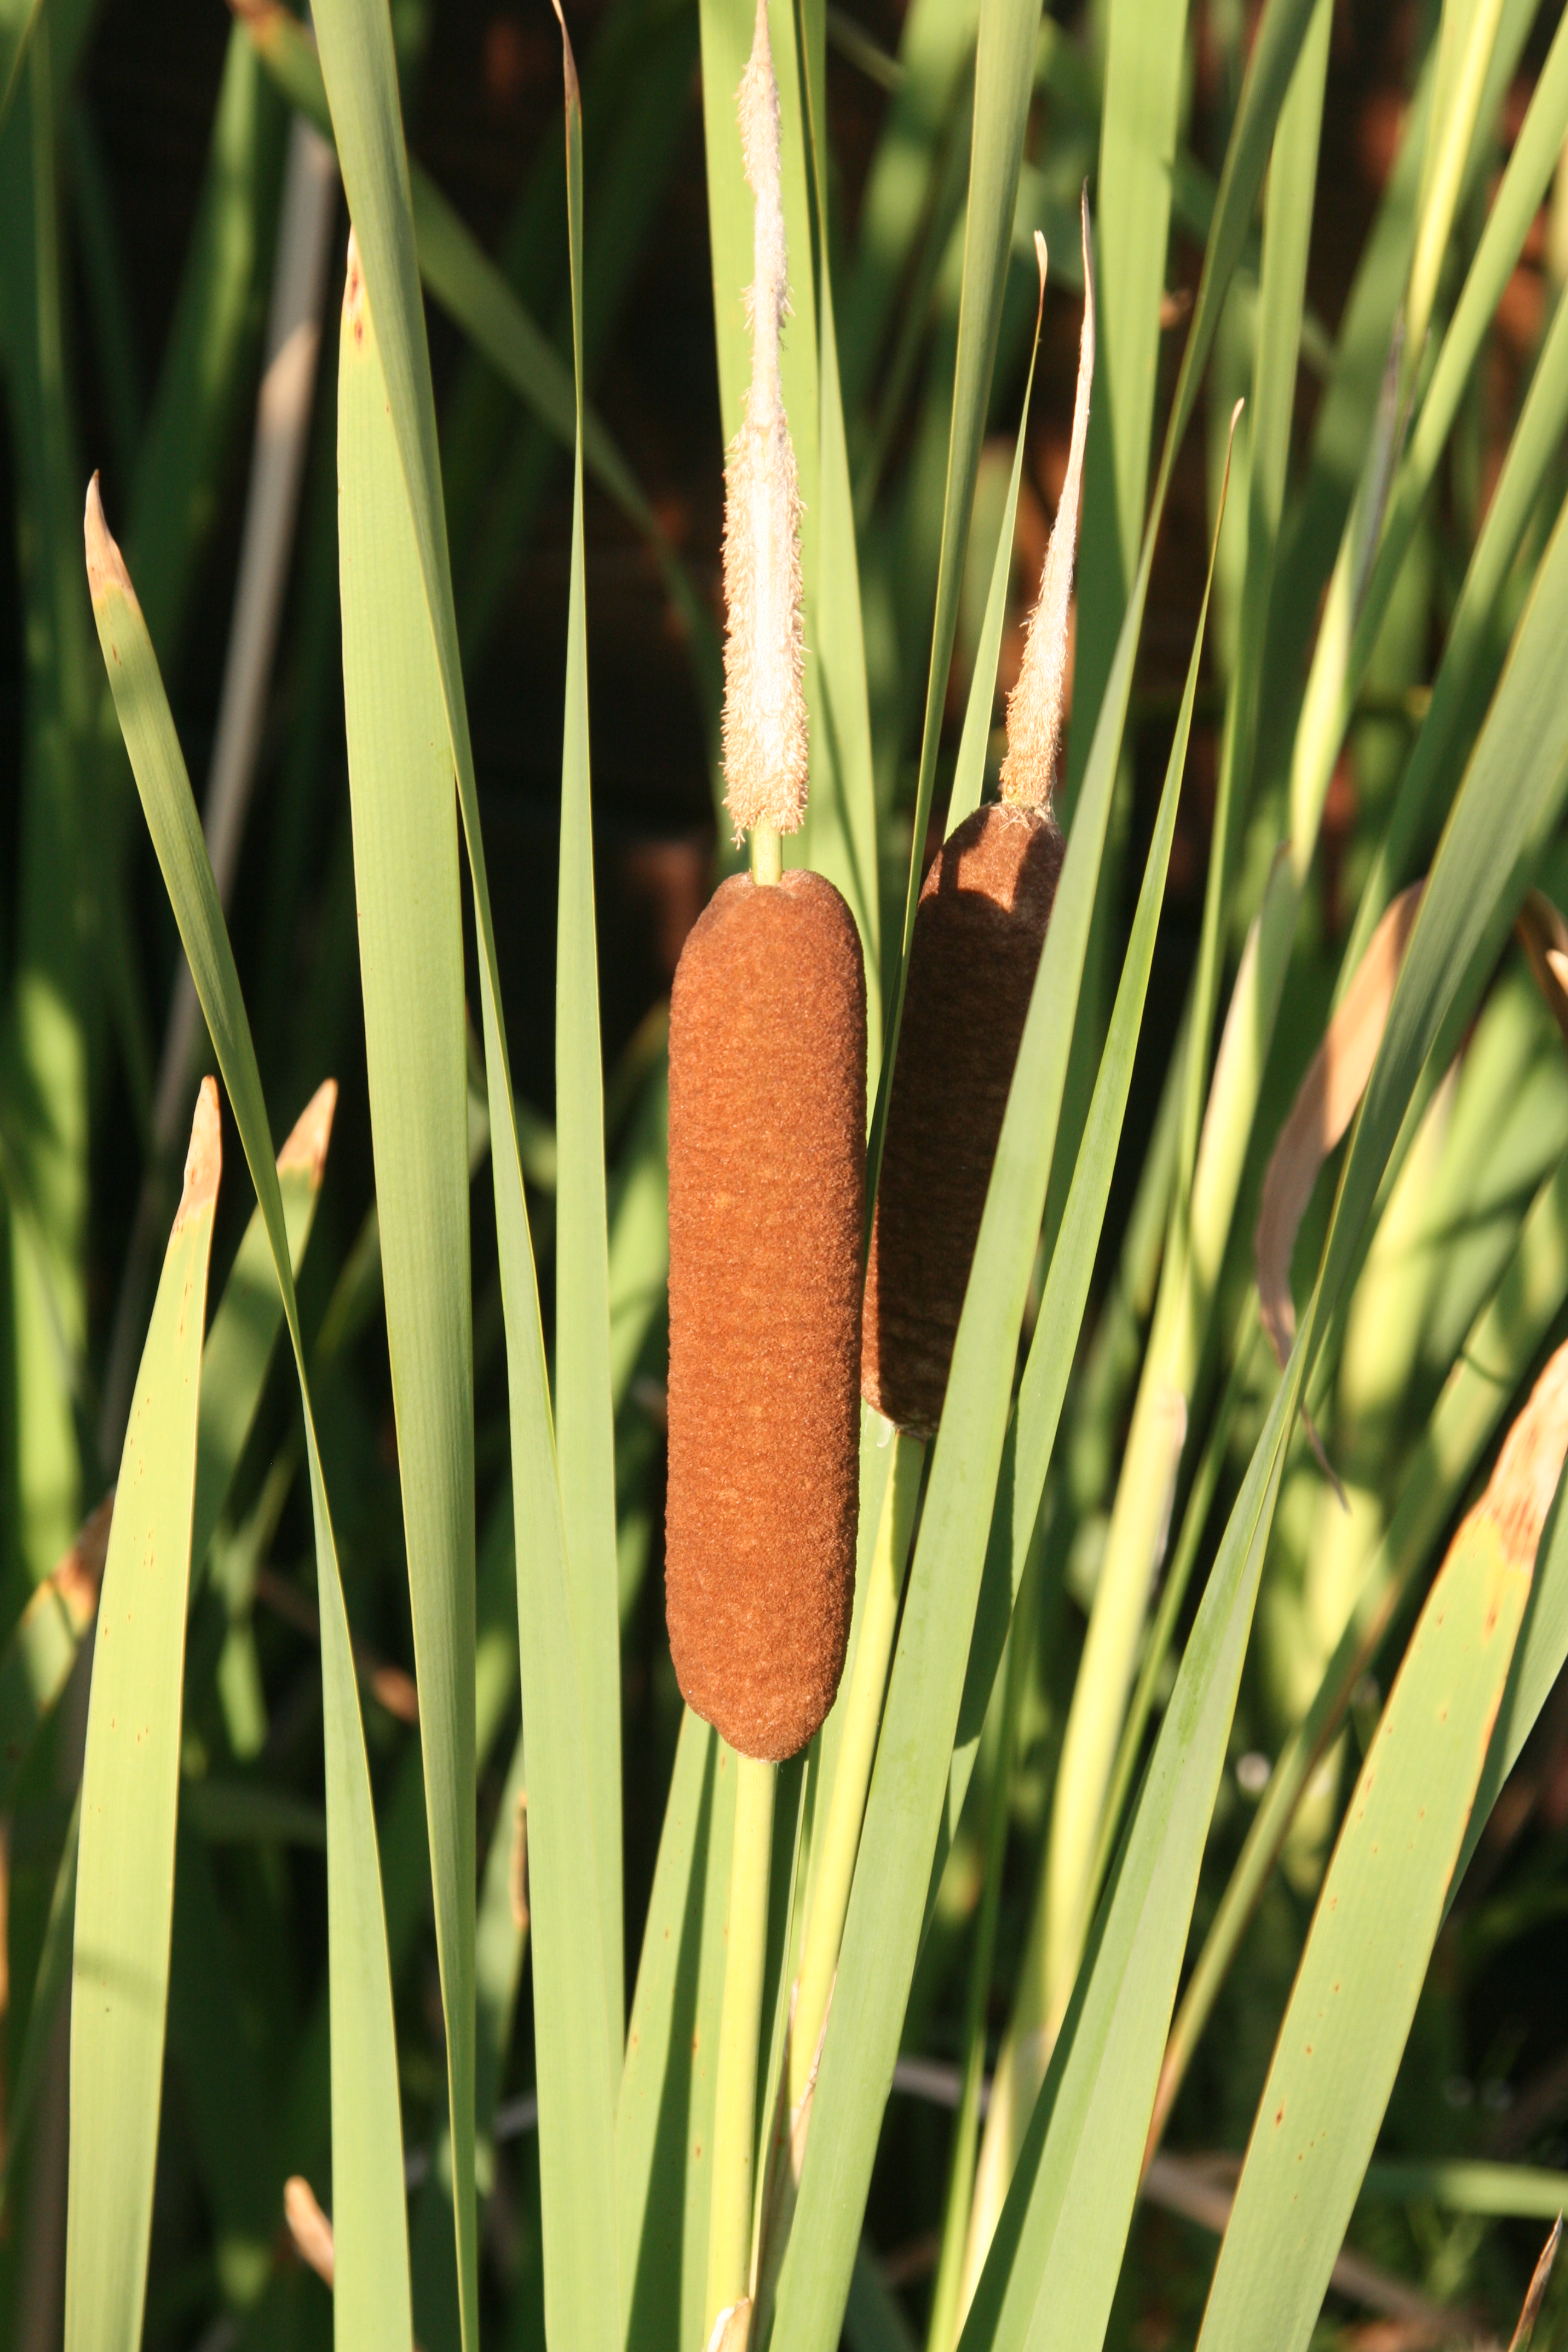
[1037,705]
[203,1160]
[569,62]
[105,565]
[309,2226]
[311,1133]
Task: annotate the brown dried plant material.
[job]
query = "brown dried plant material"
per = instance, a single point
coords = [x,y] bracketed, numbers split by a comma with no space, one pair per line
[309,2226]
[1324,1105]
[1520,1492]
[1036,705]
[979,930]
[1543,935]
[767,1108]
[311,1134]
[1539,2280]
[764,700]
[203,1159]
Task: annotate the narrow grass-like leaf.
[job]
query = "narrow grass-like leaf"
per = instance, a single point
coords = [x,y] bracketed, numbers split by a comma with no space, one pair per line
[1288,215]
[475,294]
[575,2064]
[1006,43]
[42,1647]
[50,1978]
[1039,1408]
[1513,505]
[1150,1458]
[652,2138]
[369,2221]
[1144,41]
[584,1419]
[969,774]
[249,1315]
[1496,1354]
[905,1811]
[1382,1902]
[1078,2171]
[130,1794]
[200,404]
[1043,1389]
[16,21]
[411,979]
[842,811]
[1355,611]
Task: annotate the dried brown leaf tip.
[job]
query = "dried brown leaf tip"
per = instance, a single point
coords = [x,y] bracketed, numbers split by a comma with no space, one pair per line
[79,1577]
[309,2226]
[764,702]
[204,1159]
[1035,707]
[1543,935]
[1324,1105]
[105,565]
[311,1133]
[1520,1488]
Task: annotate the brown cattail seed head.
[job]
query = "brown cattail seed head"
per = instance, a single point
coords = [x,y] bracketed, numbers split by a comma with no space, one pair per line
[979,929]
[764,702]
[1036,705]
[767,1109]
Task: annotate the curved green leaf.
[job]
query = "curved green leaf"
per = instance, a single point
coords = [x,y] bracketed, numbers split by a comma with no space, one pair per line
[131,1794]
[411,977]
[369,2221]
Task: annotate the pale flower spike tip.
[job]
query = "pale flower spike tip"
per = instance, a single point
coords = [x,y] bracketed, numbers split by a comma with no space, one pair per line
[1035,705]
[765,704]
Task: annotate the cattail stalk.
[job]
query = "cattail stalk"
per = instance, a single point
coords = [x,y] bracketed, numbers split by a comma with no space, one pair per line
[857,1752]
[729,2287]
[767,1086]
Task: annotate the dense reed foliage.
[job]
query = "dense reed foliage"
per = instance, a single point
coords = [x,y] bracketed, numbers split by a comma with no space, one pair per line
[1157,1940]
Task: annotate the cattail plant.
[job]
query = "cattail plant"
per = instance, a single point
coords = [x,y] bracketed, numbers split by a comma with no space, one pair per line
[767,1090]
[979,932]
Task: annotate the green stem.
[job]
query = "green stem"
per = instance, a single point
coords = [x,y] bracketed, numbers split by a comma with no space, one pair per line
[856,1753]
[735,2091]
[767,854]
[947,2307]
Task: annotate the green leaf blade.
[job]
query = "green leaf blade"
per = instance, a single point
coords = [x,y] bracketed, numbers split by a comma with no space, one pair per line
[129,1798]
[1377,1921]
[585,1414]
[369,2214]
[411,970]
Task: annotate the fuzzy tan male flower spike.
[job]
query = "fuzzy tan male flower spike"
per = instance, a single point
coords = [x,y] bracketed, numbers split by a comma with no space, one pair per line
[765,704]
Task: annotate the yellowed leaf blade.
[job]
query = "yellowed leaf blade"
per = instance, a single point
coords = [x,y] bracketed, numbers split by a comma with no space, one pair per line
[1325,1103]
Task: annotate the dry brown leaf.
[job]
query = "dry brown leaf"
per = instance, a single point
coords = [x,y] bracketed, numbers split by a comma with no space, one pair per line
[733,2328]
[519,1870]
[309,2226]
[1325,1103]
[1538,2285]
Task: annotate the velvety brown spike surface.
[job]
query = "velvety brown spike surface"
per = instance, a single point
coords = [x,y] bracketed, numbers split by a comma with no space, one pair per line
[767,1123]
[979,929]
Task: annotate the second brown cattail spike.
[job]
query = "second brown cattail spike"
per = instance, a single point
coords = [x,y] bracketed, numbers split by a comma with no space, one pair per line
[979,930]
